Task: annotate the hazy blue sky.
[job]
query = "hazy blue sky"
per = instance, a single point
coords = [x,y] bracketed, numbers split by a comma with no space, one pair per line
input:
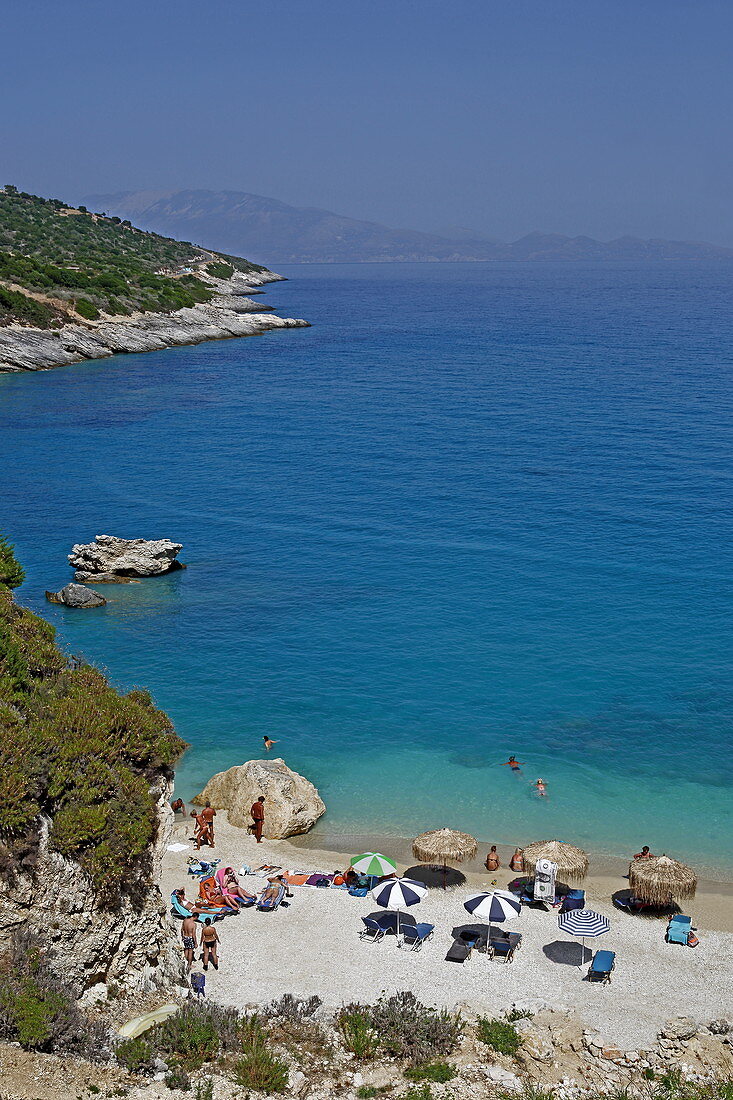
[590,117]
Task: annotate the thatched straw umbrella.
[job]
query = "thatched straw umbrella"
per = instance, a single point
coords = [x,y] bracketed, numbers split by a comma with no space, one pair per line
[660,879]
[444,846]
[571,862]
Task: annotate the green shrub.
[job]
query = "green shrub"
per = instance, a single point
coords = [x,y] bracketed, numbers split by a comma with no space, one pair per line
[408,1029]
[33,1011]
[431,1071]
[220,270]
[424,1092]
[499,1035]
[11,571]
[196,1032]
[515,1014]
[136,1055]
[367,1092]
[258,1068]
[87,309]
[354,1023]
[205,1089]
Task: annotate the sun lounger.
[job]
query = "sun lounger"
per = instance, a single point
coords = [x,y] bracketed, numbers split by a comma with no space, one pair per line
[601,966]
[268,905]
[504,945]
[181,912]
[678,929]
[415,935]
[376,928]
[632,904]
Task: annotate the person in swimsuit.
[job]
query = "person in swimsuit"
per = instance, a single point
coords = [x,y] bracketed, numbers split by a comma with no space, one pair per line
[258,817]
[492,863]
[644,853]
[231,883]
[517,861]
[208,814]
[178,806]
[209,944]
[268,743]
[541,788]
[188,936]
[513,763]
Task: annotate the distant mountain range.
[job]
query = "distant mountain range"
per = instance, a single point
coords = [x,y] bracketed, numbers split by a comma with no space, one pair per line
[272,232]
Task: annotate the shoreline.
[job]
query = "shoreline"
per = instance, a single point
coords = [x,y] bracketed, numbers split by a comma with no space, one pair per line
[712,905]
[229,315]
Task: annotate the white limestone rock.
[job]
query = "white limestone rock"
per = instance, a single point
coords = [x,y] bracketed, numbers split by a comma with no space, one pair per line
[125,557]
[292,803]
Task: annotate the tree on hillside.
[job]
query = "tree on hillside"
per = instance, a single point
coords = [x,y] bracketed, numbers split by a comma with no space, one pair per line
[11,571]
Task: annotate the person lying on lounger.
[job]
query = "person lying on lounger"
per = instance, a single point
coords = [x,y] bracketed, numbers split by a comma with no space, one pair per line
[231,885]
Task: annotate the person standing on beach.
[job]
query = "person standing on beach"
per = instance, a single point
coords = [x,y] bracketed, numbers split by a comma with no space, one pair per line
[208,814]
[209,943]
[258,817]
[513,763]
[188,937]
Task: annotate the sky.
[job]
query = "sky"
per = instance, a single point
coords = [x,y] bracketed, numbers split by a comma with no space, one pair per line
[566,116]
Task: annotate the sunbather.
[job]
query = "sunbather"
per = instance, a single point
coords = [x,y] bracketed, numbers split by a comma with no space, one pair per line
[211,895]
[517,861]
[230,887]
[192,906]
[492,862]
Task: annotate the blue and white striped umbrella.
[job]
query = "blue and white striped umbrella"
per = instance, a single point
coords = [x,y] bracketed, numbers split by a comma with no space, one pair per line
[583,923]
[495,906]
[399,893]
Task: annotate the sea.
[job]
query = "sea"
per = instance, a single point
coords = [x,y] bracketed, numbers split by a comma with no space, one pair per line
[476,510]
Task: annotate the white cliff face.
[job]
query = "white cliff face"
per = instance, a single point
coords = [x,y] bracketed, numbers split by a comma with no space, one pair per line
[292,803]
[127,557]
[229,314]
[88,944]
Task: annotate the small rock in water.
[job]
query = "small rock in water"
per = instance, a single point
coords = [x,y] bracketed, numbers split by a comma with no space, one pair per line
[76,595]
[125,557]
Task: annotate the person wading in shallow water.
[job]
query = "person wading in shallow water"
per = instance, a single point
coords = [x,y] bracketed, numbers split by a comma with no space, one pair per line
[258,817]
[268,743]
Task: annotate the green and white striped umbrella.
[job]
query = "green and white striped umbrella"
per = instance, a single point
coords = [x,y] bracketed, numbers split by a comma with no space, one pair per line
[374,863]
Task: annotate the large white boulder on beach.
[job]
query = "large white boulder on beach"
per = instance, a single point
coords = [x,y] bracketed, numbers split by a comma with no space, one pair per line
[126,557]
[292,803]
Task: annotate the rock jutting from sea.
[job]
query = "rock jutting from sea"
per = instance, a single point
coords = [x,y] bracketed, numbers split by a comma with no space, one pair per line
[292,803]
[76,595]
[228,314]
[110,558]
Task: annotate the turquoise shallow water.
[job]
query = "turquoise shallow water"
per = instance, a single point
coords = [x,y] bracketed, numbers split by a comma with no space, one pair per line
[476,509]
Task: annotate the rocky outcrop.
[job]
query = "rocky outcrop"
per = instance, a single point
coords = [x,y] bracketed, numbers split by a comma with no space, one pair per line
[76,595]
[229,314]
[124,557]
[292,803]
[89,945]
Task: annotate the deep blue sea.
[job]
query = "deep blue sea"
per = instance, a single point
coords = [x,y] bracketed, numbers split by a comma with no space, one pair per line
[475,510]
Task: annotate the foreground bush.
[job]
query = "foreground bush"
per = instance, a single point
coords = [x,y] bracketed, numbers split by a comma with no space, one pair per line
[500,1035]
[38,1011]
[258,1068]
[359,1037]
[408,1029]
[440,1072]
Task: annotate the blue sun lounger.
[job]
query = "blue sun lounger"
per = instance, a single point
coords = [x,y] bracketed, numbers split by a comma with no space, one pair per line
[678,929]
[376,928]
[270,904]
[601,966]
[415,935]
[181,912]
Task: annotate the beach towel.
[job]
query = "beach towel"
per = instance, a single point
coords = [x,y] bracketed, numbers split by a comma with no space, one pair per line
[296,878]
[319,879]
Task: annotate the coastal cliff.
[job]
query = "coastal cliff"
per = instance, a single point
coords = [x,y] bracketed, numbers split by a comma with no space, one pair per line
[228,314]
[77,285]
[84,811]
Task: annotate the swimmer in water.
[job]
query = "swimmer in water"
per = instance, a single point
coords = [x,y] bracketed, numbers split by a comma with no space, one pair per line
[513,763]
[268,743]
[541,788]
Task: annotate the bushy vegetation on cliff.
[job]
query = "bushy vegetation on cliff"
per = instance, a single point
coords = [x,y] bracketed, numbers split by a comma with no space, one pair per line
[55,259]
[75,751]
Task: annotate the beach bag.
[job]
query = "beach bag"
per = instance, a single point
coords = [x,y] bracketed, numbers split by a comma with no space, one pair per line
[198,984]
[692,940]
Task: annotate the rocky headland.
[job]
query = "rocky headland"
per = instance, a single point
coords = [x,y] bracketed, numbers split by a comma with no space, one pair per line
[230,313]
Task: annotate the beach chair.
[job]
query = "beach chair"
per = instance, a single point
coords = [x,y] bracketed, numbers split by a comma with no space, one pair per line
[415,935]
[504,945]
[601,966]
[268,905]
[678,929]
[574,899]
[458,952]
[376,928]
[180,912]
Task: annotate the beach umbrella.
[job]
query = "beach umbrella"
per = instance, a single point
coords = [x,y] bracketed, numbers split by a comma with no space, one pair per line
[444,846]
[659,879]
[495,907]
[374,864]
[571,862]
[583,924]
[399,893]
